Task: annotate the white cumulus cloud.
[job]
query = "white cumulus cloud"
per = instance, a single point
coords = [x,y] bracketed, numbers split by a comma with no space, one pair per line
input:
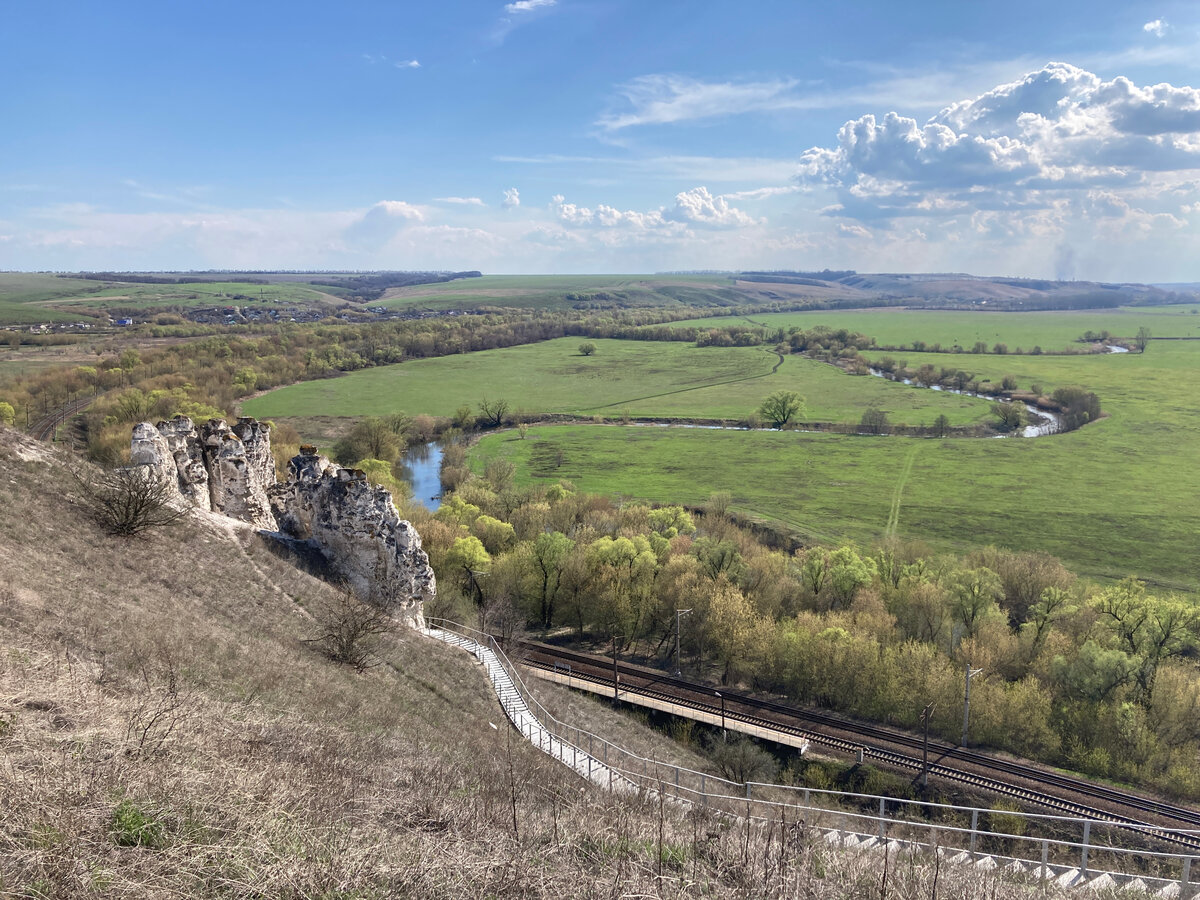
[381,223]
[694,207]
[524,6]
[698,206]
[1026,145]
[512,198]
[408,64]
[1157,27]
[604,216]
[460,201]
[397,209]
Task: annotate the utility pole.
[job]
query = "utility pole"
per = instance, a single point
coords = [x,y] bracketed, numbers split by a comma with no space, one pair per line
[970,673]
[616,674]
[925,714]
[678,613]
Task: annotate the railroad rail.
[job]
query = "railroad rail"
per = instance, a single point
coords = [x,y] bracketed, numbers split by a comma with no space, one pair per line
[43,429]
[1021,781]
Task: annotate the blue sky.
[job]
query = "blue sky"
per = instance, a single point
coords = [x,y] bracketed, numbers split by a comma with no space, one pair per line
[1023,138]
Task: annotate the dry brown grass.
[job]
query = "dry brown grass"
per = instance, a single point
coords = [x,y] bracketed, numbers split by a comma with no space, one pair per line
[164,731]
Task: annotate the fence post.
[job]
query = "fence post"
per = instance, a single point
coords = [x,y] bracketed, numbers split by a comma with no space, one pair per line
[703,789]
[974,828]
[1045,860]
[1087,831]
[1184,891]
[747,790]
[882,813]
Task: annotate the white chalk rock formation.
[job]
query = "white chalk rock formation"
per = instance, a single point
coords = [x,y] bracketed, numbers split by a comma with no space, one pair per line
[353,524]
[150,448]
[188,455]
[219,469]
[237,477]
[359,531]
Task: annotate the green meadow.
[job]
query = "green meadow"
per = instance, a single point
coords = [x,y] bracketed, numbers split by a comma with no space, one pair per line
[22,295]
[1056,330]
[1119,496]
[198,293]
[639,378]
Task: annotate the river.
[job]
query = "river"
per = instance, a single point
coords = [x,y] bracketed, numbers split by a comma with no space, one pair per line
[421,467]
[1051,425]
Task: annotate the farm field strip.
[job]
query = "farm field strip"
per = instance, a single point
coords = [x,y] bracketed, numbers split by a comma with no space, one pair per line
[1050,330]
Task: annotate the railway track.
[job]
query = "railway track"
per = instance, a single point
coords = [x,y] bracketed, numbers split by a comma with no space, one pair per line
[1031,784]
[43,429]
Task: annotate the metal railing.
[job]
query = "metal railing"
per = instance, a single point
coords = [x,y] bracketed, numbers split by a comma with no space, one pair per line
[1045,845]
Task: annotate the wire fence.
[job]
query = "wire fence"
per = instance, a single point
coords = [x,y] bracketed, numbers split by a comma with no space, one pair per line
[1068,849]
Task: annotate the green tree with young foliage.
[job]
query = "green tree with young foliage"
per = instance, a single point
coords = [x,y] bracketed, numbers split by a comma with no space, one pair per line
[781,408]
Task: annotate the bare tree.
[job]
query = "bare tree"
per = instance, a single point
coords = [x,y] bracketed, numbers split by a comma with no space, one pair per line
[1011,415]
[348,629]
[131,499]
[1142,339]
[874,421]
[492,412]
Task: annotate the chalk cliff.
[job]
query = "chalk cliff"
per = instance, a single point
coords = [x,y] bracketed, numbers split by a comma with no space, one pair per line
[358,529]
[353,524]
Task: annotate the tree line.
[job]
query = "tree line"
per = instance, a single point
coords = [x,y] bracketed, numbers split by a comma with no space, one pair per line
[1100,679]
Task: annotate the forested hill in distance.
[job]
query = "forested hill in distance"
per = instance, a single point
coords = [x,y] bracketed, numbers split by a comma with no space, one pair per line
[237,297]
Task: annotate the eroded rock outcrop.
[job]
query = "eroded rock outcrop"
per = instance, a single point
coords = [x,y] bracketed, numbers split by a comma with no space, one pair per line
[353,524]
[358,529]
[216,468]
[237,478]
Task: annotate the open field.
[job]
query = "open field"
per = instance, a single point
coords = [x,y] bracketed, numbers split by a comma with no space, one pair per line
[641,378]
[1049,330]
[1119,496]
[567,291]
[27,298]
[23,295]
[83,352]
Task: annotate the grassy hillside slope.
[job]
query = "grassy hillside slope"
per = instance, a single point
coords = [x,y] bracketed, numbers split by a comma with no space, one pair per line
[165,730]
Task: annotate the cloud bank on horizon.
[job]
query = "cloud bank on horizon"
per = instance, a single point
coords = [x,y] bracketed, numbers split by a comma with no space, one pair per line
[1058,164]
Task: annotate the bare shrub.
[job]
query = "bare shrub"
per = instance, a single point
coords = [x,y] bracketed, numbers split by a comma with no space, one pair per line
[160,708]
[129,500]
[348,630]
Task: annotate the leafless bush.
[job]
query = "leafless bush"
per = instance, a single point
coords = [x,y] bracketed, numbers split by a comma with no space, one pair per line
[348,629]
[160,709]
[129,500]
